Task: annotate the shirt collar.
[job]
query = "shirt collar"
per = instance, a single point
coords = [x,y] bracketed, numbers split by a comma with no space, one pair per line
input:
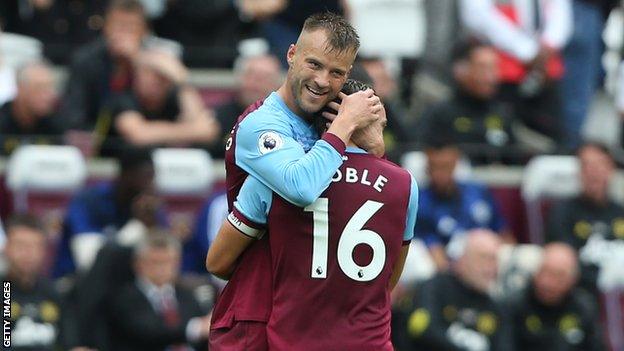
[282,105]
[355,150]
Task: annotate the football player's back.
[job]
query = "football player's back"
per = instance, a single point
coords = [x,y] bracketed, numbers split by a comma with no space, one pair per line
[332,261]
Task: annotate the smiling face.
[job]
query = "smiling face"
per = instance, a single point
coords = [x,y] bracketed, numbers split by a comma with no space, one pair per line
[316,72]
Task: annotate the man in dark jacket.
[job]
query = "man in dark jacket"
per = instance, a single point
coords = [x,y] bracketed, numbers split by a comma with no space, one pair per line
[473,115]
[104,67]
[454,311]
[552,314]
[40,317]
[153,312]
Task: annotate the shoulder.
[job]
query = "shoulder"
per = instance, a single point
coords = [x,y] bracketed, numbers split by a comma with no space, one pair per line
[566,205]
[584,302]
[129,294]
[516,301]
[616,207]
[94,193]
[184,293]
[474,190]
[90,53]
[473,186]
[266,116]
[441,107]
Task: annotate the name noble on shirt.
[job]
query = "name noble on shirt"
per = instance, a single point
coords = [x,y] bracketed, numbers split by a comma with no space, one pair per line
[352,175]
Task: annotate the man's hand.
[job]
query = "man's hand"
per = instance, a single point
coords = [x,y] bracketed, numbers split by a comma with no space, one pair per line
[356,111]
[371,138]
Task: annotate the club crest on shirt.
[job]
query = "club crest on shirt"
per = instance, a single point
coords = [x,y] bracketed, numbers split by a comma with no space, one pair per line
[269,141]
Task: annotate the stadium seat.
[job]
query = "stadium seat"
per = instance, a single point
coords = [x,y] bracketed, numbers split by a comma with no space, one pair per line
[42,180]
[17,49]
[416,163]
[546,178]
[184,178]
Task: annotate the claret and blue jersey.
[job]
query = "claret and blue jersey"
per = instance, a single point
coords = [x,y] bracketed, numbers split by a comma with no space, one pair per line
[334,258]
[278,148]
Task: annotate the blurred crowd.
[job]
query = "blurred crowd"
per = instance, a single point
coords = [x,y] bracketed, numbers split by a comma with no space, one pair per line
[482,82]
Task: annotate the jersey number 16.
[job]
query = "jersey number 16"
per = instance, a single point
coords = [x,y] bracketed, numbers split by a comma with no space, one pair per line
[352,235]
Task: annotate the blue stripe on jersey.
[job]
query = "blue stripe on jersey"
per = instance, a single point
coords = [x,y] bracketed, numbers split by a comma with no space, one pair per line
[412,211]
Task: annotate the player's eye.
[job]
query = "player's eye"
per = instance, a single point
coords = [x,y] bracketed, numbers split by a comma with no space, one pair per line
[338,74]
[314,65]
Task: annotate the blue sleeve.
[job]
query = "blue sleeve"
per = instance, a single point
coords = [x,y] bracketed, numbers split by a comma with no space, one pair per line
[254,200]
[78,218]
[412,211]
[425,227]
[266,149]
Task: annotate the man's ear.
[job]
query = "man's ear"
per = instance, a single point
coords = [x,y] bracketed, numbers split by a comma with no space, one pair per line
[290,54]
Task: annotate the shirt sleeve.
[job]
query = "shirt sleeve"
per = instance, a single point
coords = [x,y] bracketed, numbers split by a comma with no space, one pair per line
[412,211]
[266,149]
[558,24]
[251,208]
[79,219]
[484,19]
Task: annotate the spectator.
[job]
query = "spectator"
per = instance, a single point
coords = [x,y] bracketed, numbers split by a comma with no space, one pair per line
[591,222]
[207,226]
[551,314]
[582,58]
[104,66]
[397,131]
[257,76]
[98,212]
[39,319]
[7,77]
[454,311]
[61,25]
[449,208]
[474,115]
[190,22]
[112,270]
[154,313]
[29,118]
[161,109]
[529,36]
[281,20]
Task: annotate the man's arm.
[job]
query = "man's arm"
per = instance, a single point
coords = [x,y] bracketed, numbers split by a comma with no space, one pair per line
[225,250]
[266,149]
[398,267]
[86,238]
[195,124]
[485,19]
[408,234]
[243,225]
[74,103]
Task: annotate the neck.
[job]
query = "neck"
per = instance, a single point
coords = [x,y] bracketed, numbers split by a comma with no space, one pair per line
[25,281]
[599,200]
[286,94]
[22,115]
